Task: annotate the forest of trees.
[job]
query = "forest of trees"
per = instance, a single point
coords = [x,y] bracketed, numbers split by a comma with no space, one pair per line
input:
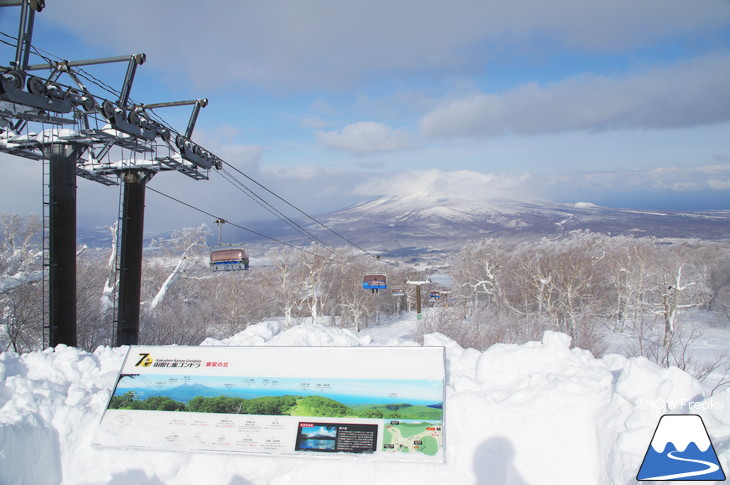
[584,284]
[287,405]
[182,300]
[268,405]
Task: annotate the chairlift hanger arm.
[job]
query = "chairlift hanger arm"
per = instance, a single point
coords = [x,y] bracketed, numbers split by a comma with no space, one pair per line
[219,222]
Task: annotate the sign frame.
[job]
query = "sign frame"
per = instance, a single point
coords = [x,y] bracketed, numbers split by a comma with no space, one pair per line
[318,401]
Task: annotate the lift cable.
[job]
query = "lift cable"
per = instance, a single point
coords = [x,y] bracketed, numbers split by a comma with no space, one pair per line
[6,42]
[48,57]
[302,212]
[266,205]
[249,230]
[83,73]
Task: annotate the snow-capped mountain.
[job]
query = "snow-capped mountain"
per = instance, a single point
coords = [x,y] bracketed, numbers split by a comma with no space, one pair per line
[414,223]
[419,224]
[680,430]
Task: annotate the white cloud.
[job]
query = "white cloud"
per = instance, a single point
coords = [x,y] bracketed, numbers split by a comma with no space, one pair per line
[709,177]
[243,157]
[365,137]
[673,179]
[297,45]
[300,172]
[719,184]
[221,141]
[434,183]
[688,93]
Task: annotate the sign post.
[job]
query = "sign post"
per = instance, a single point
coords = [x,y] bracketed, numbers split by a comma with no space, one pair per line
[418,284]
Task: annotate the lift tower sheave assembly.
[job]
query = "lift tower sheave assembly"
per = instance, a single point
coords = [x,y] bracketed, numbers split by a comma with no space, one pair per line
[79,133]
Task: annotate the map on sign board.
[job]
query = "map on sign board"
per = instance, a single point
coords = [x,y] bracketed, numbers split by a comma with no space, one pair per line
[279,400]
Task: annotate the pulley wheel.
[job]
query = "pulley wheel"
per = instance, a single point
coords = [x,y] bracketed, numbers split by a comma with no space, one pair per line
[36,85]
[54,90]
[108,110]
[14,78]
[134,118]
[88,103]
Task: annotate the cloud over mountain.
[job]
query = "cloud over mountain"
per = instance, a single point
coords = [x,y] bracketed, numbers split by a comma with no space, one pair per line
[435,183]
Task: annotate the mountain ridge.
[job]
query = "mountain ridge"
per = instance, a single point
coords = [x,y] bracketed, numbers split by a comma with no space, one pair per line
[414,225]
[394,224]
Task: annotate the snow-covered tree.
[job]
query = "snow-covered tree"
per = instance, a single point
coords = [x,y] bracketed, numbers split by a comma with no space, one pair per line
[629,270]
[20,251]
[185,243]
[674,297]
[20,272]
[475,272]
[283,281]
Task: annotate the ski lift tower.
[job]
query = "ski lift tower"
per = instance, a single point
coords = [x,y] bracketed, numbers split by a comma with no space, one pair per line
[78,131]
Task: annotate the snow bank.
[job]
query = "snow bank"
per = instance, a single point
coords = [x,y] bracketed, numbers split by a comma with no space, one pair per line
[538,413]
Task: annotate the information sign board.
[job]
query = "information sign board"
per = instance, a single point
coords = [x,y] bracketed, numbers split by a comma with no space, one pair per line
[279,400]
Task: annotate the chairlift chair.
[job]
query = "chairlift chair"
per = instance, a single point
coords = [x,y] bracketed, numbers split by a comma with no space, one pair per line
[227,257]
[398,292]
[374,281]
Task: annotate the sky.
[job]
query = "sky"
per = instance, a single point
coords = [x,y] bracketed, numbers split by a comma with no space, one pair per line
[329,103]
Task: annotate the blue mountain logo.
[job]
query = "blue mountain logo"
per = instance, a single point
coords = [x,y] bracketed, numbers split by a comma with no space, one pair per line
[680,450]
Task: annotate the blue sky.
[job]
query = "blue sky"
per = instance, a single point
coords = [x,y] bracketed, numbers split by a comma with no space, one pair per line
[330,103]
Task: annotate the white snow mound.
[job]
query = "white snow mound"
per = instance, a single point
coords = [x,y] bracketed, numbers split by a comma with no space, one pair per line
[515,414]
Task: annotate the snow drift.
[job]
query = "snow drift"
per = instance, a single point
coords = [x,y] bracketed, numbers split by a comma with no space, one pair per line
[538,413]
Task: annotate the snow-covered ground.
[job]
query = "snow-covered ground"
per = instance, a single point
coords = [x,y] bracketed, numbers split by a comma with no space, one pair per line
[706,336]
[539,413]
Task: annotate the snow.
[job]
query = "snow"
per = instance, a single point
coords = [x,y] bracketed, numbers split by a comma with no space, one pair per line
[19,279]
[690,428]
[538,413]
